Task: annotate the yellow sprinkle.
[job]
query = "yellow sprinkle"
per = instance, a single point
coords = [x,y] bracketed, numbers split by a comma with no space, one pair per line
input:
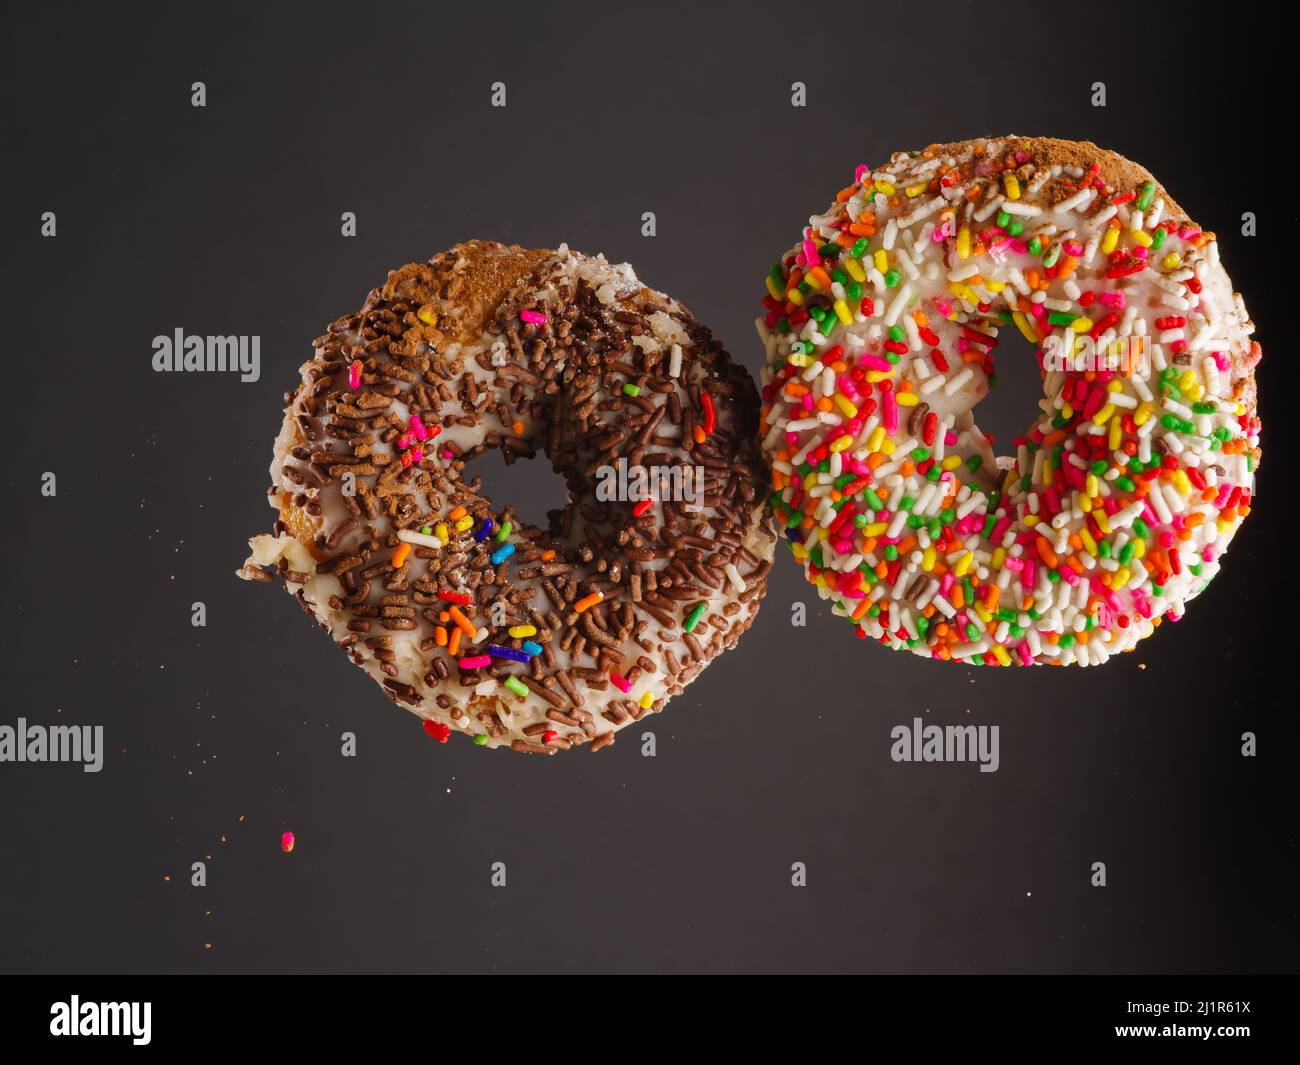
[1026,330]
[881,259]
[951,462]
[1172,261]
[962,292]
[1000,653]
[874,376]
[907,399]
[887,448]
[1120,579]
[983,612]
[850,411]
[1181,482]
[1142,414]
[1103,522]
[1012,186]
[1031,520]
[928,558]
[963,242]
[876,528]
[1093,487]
[1103,415]
[464,523]
[1141,237]
[843,313]
[799,359]
[795,297]
[774,288]
[520,631]
[441,532]
[963,564]
[913,191]
[999,557]
[876,438]
[647,700]
[1081,325]
[995,286]
[426,315]
[1109,241]
[885,187]
[841,443]
[855,270]
[1088,542]
[1116,433]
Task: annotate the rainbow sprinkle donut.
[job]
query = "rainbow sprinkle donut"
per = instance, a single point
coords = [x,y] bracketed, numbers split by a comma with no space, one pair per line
[881,327]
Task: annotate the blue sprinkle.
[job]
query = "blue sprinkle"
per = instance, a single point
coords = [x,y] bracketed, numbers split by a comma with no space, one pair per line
[532,648]
[484,531]
[507,652]
[502,553]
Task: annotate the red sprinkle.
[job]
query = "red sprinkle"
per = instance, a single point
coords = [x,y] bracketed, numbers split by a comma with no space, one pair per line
[710,414]
[438,730]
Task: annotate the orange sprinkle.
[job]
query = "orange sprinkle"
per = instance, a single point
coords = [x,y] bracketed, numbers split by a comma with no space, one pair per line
[588,601]
[400,555]
[440,635]
[453,645]
[462,622]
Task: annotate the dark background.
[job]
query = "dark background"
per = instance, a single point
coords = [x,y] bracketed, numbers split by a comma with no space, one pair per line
[226,220]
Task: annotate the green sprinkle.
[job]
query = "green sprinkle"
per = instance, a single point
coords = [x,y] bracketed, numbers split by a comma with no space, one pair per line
[859,247]
[480,740]
[631,390]
[697,612]
[505,530]
[891,279]
[516,686]
[1146,196]
[1035,247]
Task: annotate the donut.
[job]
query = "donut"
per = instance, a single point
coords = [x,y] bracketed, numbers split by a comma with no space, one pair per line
[881,327]
[535,639]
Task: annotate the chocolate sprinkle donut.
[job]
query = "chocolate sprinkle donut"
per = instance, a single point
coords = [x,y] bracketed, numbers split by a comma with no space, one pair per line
[465,614]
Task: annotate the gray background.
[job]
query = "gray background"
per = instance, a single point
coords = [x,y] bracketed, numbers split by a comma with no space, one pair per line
[226,220]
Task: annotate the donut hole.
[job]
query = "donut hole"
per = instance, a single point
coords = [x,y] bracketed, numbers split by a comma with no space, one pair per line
[1014,392]
[532,486]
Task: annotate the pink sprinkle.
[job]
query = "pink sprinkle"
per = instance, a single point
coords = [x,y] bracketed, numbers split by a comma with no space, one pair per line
[1113,300]
[810,253]
[417,427]
[354,375]
[286,842]
[859,172]
[475,662]
[874,362]
[532,317]
[417,455]
[621,682]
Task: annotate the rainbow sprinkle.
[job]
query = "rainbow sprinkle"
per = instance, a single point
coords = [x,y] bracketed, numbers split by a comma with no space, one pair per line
[1116,505]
